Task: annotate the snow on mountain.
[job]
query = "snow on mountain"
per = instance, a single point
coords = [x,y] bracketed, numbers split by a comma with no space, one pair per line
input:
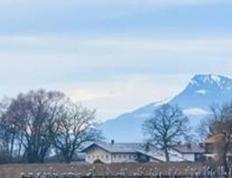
[195,112]
[201,92]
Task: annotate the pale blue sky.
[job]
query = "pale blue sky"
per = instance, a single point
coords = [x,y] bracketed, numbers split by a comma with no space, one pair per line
[112,55]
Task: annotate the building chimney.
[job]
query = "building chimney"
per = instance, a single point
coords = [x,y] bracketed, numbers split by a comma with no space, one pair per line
[112,142]
[147,147]
[189,146]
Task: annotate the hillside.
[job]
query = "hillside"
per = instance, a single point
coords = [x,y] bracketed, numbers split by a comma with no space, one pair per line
[200,93]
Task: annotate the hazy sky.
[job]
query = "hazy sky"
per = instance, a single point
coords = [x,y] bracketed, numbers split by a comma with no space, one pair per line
[112,55]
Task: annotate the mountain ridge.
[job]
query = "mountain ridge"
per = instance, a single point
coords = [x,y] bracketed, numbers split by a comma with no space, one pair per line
[202,91]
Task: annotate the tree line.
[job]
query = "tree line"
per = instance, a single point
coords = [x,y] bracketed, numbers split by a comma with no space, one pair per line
[40,123]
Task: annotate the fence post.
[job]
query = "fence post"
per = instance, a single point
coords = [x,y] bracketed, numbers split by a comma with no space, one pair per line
[30,175]
[160,174]
[93,172]
[22,175]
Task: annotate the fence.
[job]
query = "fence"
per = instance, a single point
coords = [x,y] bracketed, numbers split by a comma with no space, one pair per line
[212,173]
[145,176]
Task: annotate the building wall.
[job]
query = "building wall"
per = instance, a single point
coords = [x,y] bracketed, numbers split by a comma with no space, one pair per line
[96,153]
[124,157]
[189,157]
[177,156]
[210,148]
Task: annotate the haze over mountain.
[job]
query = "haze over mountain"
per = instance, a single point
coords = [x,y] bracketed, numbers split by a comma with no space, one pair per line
[201,92]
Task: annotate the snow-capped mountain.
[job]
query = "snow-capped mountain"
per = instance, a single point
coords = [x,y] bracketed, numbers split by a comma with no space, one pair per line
[205,90]
[201,92]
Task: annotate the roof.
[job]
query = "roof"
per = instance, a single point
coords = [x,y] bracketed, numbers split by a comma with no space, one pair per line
[125,148]
[214,139]
[119,147]
[187,148]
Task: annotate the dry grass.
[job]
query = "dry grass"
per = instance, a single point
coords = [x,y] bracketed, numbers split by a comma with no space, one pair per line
[14,170]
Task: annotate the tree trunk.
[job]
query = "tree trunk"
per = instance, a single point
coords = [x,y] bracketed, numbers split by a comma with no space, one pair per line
[19,151]
[68,160]
[224,158]
[166,154]
[12,147]
[67,156]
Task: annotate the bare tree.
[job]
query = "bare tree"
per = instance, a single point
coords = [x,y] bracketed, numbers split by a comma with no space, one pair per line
[8,133]
[220,125]
[75,127]
[30,115]
[166,128]
[35,123]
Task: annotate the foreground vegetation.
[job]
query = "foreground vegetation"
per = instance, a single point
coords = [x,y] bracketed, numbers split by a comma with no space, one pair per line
[16,170]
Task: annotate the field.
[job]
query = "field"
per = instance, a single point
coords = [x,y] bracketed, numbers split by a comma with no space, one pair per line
[15,170]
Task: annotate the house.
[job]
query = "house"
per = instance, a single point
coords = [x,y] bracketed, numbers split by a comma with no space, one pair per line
[210,146]
[189,152]
[139,152]
[212,149]
[119,152]
[182,153]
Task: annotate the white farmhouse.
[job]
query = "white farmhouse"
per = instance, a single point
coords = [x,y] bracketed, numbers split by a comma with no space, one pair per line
[138,152]
[119,152]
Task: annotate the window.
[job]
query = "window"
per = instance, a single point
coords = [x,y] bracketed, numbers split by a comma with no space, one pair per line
[107,157]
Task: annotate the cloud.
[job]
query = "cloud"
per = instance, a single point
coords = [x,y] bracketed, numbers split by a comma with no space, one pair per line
[168,45]
[112,16]
[112,55]
[72,44]
[81,57]
[84,95]
[111,74]
[116,96]
[71,2]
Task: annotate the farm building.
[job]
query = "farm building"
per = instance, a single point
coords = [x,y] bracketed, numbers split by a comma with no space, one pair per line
[138,152]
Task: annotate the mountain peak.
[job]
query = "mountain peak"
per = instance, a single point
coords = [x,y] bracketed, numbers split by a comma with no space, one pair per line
[205,90]
[207,77]
[194,100]
[211,80]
